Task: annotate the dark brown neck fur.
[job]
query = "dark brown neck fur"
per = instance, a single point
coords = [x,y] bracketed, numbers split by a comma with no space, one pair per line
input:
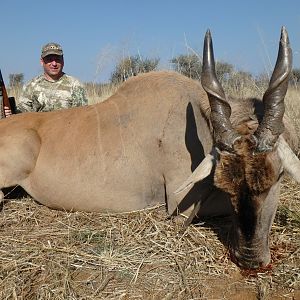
[244,169]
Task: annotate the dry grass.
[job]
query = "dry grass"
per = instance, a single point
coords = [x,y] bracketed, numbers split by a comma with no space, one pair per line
[48,254]
[99,92]
[292,104]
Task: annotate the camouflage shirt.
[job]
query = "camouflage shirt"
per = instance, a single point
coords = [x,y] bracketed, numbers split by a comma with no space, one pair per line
[40,94]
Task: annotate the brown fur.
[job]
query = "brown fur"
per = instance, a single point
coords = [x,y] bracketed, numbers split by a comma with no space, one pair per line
[245,169]
[127,153]
[247,113]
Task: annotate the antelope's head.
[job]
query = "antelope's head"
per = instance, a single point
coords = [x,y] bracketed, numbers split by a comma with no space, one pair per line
[249,167]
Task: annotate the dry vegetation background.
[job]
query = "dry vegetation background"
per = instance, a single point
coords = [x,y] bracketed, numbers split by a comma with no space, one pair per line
[48,254]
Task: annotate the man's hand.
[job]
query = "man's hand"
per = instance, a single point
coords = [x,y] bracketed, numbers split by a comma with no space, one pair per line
[7,112]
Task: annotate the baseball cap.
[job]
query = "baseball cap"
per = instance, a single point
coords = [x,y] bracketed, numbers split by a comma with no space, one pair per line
[51,48]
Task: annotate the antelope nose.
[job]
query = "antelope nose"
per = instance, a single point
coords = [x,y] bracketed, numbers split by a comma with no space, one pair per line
[252,262]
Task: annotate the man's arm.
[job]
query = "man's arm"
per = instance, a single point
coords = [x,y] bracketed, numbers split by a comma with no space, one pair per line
[28,100]
[25,104]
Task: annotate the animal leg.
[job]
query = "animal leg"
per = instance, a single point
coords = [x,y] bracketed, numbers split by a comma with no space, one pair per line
[18,155]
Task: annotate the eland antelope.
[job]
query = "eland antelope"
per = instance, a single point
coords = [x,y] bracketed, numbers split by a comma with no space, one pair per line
[163,138]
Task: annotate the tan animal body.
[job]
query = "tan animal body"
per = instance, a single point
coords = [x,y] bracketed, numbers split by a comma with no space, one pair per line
[158,132]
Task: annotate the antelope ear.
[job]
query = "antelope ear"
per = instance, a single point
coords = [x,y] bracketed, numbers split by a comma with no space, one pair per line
[201,172]
[290,161]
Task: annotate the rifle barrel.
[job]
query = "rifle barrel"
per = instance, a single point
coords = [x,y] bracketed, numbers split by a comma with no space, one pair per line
[4,100]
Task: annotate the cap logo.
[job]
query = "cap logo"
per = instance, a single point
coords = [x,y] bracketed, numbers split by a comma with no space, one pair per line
[51,48]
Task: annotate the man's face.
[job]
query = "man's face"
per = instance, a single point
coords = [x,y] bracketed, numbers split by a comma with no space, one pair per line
[53,65]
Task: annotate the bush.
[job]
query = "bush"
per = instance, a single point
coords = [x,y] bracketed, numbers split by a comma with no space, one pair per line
[188,65]
[191,66]
[132,66]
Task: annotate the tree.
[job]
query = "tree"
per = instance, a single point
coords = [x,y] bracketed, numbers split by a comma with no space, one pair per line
[132,66]
[224,71]
[188,65]
[191,66]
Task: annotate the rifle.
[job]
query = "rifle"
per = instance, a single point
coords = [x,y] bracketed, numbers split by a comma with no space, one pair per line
[5,100]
